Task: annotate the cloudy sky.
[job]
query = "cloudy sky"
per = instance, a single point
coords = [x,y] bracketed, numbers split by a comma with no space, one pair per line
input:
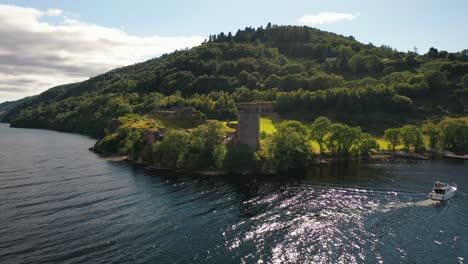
[50,42]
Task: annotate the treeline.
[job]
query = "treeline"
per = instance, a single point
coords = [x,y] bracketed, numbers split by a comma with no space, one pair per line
[359,100]
[87,115]
[367,102]
[198,148]
[90,114]
[451,134]
[338,139]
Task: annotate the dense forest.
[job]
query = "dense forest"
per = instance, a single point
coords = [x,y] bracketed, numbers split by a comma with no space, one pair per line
[305,71]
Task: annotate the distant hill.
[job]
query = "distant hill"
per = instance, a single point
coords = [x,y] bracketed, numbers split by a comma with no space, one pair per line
[306,71]
[7,106]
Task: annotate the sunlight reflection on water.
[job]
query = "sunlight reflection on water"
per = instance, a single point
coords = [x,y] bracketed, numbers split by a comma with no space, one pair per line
[62,204]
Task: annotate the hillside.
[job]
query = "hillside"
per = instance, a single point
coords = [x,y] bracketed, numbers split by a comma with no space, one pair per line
[307,72]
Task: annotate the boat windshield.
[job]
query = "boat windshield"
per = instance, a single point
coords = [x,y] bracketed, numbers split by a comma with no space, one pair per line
[439,191]
[439,185]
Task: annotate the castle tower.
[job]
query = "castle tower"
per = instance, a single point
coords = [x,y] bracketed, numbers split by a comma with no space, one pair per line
[248,123]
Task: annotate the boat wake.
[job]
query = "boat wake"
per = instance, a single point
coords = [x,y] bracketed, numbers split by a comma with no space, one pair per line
[395,205]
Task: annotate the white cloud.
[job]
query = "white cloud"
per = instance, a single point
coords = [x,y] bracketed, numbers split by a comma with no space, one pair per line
[325,18]
[36,55]
[53,12]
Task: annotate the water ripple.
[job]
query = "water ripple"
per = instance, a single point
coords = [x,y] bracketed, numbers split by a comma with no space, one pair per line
[63,204]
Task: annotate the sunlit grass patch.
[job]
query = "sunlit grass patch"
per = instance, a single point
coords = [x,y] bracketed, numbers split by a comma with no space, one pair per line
[224,126]
[140,122]
[267,126]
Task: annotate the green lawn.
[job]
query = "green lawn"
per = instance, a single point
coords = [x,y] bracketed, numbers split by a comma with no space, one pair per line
[383,144]
[227,129]
[267,125]
[140,122]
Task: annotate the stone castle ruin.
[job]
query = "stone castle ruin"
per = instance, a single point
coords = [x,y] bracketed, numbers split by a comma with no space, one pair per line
[248,123]
[151,136]
[185,117]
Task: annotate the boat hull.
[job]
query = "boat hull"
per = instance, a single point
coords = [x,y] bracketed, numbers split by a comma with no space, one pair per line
[442,197]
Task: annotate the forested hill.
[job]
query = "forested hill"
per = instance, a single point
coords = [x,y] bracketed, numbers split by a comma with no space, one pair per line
[306,71]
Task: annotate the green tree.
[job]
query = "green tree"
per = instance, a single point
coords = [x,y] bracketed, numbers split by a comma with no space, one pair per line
[289,147]
[342,137]
[436,79]
[432,53]
[410,136]
[344,54]
[402,103]
[455,135]
[173,149]
[361,64]
[410,59]
[464,81]
[366,144]
[206,146]
[388,70]
[319,129]
[240,159]
[434,133]
[443,54]
[392,135]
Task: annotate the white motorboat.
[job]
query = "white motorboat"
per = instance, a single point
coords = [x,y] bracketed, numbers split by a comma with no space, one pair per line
[442,191]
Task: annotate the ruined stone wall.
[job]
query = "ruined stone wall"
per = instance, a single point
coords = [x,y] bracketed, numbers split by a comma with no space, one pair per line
[152,136]
[149,136]
[114,124]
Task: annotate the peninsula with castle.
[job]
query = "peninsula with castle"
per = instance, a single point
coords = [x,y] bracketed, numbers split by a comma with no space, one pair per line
[266,100]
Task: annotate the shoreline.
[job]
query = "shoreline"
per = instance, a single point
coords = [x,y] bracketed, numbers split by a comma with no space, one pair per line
[320,161]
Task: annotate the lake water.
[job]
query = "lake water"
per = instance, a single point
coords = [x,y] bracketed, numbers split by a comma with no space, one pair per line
[60,203]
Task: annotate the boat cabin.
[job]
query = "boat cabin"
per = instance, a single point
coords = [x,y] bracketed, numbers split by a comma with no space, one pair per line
[440,188]
[439,191]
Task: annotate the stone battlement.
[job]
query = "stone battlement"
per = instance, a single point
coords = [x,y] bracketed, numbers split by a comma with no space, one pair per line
[256,107]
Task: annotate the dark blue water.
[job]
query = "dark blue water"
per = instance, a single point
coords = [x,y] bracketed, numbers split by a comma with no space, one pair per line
[59,203]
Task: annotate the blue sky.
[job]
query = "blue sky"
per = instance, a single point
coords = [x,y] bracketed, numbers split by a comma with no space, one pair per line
[400,24]
[44,43]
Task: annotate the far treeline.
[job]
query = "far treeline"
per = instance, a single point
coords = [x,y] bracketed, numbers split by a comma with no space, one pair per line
[306,72]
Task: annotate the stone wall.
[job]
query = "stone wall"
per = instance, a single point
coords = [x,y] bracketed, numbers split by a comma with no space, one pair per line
[248,129]
[151,136]
[256,107]
[114,124]
[248,123]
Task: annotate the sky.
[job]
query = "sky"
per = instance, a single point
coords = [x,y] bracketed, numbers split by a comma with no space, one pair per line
[44,43]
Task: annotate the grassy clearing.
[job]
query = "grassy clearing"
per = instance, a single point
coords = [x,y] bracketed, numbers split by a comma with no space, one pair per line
[269,123]
[383,144]
[267,126]
[143,122]
[176,122]
[227,129]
